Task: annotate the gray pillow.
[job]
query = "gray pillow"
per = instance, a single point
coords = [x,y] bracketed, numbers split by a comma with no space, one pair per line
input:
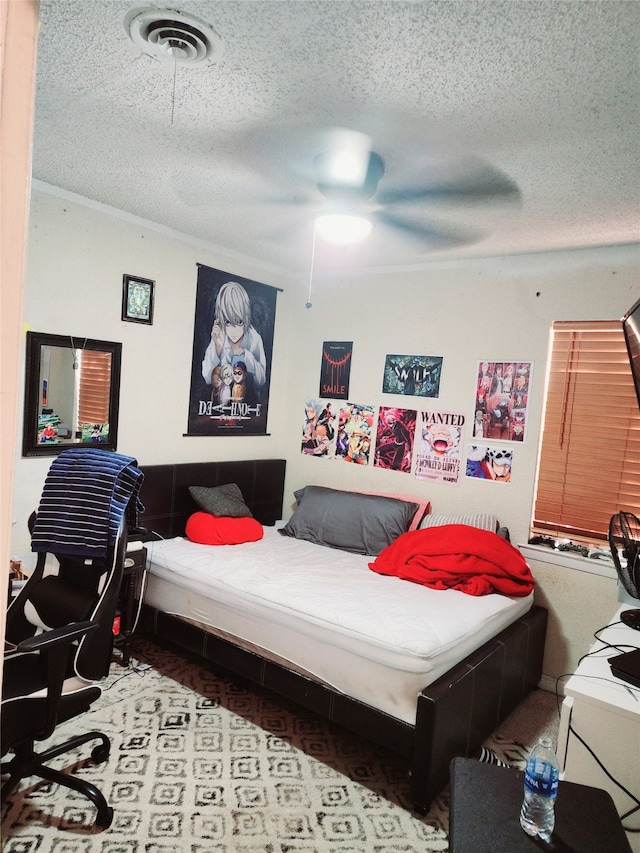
[483,520]
[352,521]
[223,500]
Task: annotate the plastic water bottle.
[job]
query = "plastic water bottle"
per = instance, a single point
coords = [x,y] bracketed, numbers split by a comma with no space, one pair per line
[537,816]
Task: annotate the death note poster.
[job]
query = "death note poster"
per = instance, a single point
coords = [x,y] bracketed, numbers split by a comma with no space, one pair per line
[231,362]
[335,369]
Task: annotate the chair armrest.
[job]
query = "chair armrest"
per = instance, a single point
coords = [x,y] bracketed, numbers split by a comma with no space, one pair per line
[53,647]
[57,636]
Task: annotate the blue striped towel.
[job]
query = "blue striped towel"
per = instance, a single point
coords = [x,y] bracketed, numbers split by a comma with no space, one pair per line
[85,496]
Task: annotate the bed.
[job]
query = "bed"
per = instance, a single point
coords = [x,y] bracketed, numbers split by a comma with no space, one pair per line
[429,688]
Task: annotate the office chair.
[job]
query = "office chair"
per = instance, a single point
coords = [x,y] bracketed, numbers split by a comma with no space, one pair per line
[60,626]
[33,705]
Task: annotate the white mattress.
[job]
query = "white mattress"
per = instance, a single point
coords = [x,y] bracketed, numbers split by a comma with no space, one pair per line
[374,637]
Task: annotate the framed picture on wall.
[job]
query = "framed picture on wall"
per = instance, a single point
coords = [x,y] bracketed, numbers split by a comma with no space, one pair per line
[137,299]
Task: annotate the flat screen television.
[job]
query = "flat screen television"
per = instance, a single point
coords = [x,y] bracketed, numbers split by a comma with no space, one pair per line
[631,326]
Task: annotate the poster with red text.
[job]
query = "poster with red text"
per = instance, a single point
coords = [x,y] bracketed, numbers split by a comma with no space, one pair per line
[335,369]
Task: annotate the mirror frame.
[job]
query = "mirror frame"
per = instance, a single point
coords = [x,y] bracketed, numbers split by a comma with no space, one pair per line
[35,342]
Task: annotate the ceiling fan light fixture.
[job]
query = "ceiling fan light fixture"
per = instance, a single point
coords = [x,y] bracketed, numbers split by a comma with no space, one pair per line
[345,162]
[343,228]
[342,168]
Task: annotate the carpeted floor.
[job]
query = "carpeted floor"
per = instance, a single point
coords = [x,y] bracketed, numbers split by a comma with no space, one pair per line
[201,765]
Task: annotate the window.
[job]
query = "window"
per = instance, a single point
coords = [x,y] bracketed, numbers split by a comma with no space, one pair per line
[589,456]
[95,384]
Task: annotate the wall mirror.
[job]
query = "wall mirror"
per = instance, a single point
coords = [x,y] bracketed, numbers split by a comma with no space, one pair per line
[72,393]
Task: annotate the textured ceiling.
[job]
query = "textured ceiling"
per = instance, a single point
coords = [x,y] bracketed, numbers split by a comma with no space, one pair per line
[548,93]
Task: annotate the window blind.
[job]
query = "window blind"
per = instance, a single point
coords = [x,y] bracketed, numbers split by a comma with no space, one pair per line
[589,457]
[95,382]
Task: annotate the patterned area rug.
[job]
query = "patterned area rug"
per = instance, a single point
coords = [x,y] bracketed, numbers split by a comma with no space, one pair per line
[202,765]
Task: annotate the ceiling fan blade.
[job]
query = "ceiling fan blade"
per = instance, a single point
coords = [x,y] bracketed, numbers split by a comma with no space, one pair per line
[468,182]
[288,224]
[434,236]
[286,152]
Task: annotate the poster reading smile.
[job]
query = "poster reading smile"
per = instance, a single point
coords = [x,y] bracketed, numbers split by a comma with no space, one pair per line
[232,348]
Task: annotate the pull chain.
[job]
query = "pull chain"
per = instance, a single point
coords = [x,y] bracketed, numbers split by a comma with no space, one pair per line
[173,93]
[313,258]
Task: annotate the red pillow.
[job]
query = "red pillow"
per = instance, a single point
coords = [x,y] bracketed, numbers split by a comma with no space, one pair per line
[207,529]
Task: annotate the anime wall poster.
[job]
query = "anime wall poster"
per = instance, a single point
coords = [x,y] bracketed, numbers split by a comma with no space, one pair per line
[502,400]
[319,428]
[394,438]
[232,348]
[417,375]
[335,369]
[439,448]
[354,433]
[489,463]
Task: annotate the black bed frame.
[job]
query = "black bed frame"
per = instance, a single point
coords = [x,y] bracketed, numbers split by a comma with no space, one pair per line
[455,714]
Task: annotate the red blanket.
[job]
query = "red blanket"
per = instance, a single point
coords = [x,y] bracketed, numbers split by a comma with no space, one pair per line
[456,556]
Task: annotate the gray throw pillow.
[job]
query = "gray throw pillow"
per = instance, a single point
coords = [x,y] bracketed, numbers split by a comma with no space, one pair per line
[352,521]
[226,500]
[483,520]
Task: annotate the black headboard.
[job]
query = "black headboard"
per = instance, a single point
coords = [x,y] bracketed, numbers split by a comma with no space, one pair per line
[168,504]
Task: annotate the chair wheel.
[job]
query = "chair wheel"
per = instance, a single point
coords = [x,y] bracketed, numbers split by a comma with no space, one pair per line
[101,753]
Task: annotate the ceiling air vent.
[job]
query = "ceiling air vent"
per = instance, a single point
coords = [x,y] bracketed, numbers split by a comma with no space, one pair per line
[173,37]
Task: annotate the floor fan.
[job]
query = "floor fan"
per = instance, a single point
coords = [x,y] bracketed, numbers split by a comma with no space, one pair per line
[624,541]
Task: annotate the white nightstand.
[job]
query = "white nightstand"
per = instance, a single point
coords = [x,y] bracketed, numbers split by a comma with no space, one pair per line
[605,713]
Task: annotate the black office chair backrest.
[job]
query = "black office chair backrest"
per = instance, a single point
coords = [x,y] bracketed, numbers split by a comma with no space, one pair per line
[72,589]
[90,498]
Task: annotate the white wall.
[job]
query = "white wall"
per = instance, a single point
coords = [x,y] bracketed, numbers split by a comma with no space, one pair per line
[580,595]
[498,309]
[77,256]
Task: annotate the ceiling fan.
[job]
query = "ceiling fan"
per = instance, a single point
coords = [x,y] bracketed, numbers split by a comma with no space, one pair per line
[351,192]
